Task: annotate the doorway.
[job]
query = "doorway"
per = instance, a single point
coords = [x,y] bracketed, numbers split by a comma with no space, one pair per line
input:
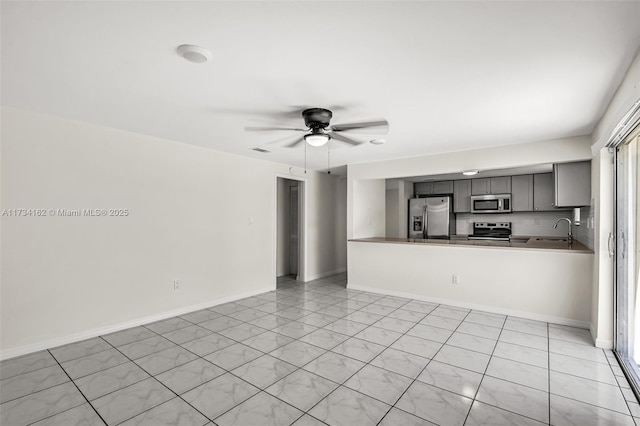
[627,257]
[289,230]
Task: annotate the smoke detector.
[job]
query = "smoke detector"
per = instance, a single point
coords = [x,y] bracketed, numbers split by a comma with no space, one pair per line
[195,54]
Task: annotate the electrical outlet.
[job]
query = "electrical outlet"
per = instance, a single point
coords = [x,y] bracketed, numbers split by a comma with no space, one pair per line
[176,285]
[454,279]
[536,221]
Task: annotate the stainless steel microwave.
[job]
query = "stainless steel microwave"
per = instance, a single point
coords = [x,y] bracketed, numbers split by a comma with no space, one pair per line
[494,203]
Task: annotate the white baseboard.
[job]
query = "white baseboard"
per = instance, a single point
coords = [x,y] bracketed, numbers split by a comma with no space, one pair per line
[76,337]
[600,343]
[326,274]
[493,309]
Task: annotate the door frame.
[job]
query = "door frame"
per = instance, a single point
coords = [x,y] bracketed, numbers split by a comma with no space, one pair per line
[302,225]
[621,303]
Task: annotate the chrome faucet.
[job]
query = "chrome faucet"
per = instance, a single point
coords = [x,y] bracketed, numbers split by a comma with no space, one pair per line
[570,235]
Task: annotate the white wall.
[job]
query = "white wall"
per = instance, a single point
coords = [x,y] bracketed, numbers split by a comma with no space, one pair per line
[326,227]
[602,285]
[538,284]
[406,193]
[65,278]
[397,198]
[602,310]
[526,154]
[368,198]
[340,225]
[283,263]
[392,212]
[627,94]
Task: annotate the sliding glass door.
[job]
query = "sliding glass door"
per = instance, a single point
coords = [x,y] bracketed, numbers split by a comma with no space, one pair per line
[627,243]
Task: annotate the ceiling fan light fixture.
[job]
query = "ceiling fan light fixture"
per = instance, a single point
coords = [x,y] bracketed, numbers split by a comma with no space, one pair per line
[471,172]
[316,139]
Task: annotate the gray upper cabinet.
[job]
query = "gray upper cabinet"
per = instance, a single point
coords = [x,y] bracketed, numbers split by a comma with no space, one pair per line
[462,196]
[423,188]
[543,199]
[500,185]
[443,187]
[572,184]
[522,193]
[480,186]
[434,188]
[494,185]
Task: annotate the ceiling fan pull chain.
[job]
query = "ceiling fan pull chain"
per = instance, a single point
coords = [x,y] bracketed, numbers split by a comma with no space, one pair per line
[305,158]
[328,158]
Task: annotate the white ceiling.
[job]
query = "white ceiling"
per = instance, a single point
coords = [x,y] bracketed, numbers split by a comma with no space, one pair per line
[447,75]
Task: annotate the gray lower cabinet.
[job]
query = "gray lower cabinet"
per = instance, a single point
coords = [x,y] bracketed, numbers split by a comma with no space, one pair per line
[522,193]
[462,196]
[543,193]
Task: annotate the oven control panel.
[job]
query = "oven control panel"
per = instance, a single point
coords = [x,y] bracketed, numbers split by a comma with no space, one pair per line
[492,225]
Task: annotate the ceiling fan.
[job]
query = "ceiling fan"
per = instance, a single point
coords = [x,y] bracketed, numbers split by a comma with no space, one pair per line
[319,131]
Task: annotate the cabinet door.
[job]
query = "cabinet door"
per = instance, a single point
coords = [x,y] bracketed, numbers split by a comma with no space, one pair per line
[462,196]
[522,193]
[543,199]
[501,185]
[443,187]
[572,184]
[423,188]
[480,186]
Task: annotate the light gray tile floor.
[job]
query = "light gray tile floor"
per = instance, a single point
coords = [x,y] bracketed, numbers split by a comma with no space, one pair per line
[320,354]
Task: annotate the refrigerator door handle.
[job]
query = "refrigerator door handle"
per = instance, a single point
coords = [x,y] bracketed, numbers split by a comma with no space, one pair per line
[424,222]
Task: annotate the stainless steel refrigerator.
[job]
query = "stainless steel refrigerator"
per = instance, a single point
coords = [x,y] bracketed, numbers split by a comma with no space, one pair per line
[431,217]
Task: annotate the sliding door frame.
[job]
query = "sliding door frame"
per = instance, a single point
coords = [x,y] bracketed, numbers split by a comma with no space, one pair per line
[624,297]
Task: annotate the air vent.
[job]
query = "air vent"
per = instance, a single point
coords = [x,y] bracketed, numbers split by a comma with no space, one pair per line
[260,150]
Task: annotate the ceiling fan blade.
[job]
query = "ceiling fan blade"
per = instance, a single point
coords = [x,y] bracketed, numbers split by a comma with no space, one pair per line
[343,138]
[289,113]
[295,142]
[280,141]
[262,129]
[359,126]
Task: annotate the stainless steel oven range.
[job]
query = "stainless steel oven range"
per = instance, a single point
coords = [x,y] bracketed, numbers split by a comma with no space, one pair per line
[493,231]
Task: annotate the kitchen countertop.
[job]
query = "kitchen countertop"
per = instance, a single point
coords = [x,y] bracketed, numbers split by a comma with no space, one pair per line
[535,243]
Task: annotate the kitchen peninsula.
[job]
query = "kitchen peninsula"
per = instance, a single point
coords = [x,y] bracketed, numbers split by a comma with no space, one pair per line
[532,243]
[541,281]
[540,278]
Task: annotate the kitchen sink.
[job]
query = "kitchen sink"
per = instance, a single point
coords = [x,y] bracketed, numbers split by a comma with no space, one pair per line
[552,240]
[519,240]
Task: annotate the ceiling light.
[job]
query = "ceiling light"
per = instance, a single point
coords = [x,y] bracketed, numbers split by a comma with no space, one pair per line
[316,139]
[196,54]
[471,172]
[378,141]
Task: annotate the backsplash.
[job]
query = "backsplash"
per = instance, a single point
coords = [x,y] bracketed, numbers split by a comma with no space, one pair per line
[539,224]
[585,232]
